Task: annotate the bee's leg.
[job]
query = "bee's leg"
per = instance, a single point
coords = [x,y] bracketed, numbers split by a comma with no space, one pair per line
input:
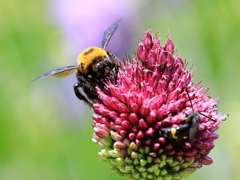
[80,95]
[111,55]
[114,58]
[88,86]
[117,63]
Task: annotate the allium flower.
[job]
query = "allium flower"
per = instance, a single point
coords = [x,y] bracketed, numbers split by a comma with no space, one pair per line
[154,91]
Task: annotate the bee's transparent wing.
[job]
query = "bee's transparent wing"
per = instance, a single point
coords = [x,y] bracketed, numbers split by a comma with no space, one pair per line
[108,33]
[60,72]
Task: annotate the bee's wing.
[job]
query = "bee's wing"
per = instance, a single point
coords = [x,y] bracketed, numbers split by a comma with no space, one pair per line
[109,32]
[60,72]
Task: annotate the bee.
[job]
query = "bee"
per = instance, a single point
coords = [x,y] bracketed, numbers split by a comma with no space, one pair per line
[94,65]
[187,130]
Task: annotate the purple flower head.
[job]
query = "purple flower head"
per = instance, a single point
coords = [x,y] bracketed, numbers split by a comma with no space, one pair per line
[152,122]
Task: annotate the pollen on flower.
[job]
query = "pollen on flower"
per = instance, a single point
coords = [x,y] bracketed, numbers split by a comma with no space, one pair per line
[152,122]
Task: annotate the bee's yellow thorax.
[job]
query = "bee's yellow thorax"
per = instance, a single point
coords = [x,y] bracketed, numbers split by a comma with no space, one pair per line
[86,57]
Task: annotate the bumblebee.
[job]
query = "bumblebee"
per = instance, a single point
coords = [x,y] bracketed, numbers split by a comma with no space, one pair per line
[94,65]
[188,130]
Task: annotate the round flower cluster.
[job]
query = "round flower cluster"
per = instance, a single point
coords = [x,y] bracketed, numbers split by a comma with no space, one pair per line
[152,122]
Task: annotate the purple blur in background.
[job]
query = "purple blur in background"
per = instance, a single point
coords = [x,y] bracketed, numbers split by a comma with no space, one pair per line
[83,23]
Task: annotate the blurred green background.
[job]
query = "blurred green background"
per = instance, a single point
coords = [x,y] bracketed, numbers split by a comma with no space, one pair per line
[45,131]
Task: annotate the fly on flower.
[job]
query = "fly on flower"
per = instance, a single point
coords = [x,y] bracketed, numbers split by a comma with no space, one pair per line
[94,65]
[187,130]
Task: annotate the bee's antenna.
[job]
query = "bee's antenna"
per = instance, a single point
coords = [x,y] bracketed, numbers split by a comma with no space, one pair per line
[188,96]
[207,117]
[192,106]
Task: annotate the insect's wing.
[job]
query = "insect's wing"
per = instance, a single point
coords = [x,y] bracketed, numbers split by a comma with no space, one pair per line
[60,72]
[64,73]
[194,126]
[108,33]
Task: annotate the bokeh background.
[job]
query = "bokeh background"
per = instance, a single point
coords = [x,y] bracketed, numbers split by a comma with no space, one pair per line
[45,131]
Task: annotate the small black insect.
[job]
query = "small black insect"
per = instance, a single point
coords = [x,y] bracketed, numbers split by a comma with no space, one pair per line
[94,66]
[187,130]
